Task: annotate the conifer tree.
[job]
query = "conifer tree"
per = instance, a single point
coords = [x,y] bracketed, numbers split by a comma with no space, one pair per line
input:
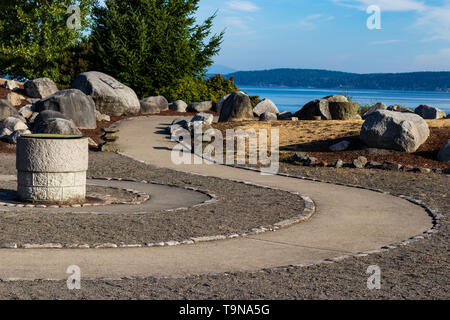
[35,36]
[150,44]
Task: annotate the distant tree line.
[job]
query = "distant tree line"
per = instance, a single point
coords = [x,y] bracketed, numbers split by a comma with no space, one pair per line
[308,78]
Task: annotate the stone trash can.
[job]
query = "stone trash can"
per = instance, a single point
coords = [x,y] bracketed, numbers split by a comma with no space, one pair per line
[51,168]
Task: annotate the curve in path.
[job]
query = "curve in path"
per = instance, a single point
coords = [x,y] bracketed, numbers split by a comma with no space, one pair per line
[347,221]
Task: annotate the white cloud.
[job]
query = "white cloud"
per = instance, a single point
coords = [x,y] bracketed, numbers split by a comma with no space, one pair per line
[385,5]
[246,6]
[433,19]
[309,22]
[376,43]
[437,22]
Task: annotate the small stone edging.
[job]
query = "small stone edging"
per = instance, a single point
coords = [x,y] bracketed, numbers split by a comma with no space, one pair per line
[142,195]
[436,217]
[308,211]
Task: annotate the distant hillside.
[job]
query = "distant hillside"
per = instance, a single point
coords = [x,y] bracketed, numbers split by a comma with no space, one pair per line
[308,78]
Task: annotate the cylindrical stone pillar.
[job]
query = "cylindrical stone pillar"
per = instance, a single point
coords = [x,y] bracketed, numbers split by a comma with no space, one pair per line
[52,169]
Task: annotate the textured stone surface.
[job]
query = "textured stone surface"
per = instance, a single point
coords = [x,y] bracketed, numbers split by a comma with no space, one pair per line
[201,106]
[285,115]
[11,85]
[205,118]
[399,108]
[13,124]
[219,104]
[52,170]
[394,130]
[336,98]
[266,105]
[444,153]
[14,98]
[178,106]
[110,96]
[52,155]
[152,105]
[268,116]
[375,107]
[40,88]
[340,146]
[429,112]
[149,108]
[236,107]
[7,109]
[72,103]
[26,111]
[343,110]
[38,117]
[313,109]
[57,126]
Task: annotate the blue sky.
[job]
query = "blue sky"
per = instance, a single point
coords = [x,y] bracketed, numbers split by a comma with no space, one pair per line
[332,34]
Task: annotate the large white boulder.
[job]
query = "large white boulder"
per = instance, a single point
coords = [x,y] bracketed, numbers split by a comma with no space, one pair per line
[200,106]
[429,112]
[266,105]
[178,106]
[394,130]
[72,103]
[7,109]
[110,96]
[236,107]
[13,124]
[152,105]
[57,126]
[40,88]
[375,107]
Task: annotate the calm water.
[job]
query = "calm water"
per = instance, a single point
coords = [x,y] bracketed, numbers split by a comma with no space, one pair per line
[292,99]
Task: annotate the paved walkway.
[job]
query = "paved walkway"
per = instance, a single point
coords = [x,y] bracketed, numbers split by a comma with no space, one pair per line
[347,221]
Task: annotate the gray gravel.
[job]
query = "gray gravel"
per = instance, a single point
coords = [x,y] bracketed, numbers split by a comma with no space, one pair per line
[240,208]
[418,271]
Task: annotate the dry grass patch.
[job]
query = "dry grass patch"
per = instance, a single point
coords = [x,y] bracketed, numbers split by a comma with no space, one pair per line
[304,131]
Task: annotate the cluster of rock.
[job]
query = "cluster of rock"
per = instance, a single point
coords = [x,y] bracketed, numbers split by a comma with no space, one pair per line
[425,111]
[92,97]
[335,107]
[361,162]
[180,127]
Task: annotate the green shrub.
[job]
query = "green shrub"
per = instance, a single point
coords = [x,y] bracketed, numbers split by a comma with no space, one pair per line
[255,100]
[198,89]
[363,108]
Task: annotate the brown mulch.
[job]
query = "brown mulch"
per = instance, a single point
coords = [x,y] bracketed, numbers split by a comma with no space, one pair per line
[424,157]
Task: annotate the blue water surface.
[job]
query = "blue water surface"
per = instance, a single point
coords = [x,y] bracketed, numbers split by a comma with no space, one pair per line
[293,99]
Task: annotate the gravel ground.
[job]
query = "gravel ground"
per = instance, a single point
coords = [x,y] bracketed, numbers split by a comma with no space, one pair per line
[418,271]
[240,208]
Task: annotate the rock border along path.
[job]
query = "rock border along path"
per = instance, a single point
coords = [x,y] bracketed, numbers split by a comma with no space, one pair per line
[349,221]
[306,214]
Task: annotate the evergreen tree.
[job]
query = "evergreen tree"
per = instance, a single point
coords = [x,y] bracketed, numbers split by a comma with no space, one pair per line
[35,37]
[150,44]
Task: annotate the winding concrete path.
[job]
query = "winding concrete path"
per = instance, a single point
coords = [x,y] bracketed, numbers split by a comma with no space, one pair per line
[347,221]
